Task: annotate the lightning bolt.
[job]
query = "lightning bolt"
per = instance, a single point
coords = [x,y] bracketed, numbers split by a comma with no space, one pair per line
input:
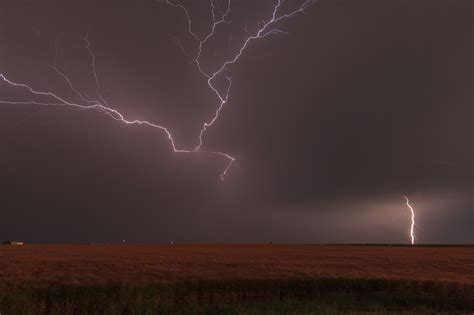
[412,227]
[99,103]
[263,31]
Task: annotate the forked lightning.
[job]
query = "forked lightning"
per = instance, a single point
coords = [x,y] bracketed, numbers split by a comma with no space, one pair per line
[99,103]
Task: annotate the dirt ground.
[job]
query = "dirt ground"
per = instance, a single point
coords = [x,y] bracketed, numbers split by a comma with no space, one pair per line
[40,265]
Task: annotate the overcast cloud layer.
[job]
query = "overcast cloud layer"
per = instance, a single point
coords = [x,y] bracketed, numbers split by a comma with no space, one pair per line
[360,103]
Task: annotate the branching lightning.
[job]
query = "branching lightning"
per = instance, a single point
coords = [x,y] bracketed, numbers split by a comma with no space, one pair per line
[412,227]
[99,103]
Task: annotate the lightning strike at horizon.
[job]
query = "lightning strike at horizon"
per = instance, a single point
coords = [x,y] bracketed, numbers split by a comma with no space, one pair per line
[100,104]
[412,227]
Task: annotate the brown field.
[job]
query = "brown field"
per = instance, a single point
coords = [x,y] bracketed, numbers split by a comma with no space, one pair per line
[40,265]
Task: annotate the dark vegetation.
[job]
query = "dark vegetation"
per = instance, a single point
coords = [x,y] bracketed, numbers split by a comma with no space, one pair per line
[321,296]
[235,279]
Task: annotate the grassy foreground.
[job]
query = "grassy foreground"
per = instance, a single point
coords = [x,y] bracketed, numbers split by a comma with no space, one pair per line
[318,296]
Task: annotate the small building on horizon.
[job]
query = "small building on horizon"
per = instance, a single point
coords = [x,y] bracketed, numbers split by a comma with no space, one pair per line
[18,243]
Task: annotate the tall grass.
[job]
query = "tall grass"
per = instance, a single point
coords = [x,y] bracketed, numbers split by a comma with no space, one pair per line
[319,296]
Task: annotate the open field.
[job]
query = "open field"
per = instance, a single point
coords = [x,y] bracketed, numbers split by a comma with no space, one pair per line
[123,277]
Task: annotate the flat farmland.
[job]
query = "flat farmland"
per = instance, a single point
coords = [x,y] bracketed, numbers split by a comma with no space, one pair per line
[237,273]
[101,264]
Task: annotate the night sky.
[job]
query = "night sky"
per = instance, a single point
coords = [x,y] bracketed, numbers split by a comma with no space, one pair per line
[360,103]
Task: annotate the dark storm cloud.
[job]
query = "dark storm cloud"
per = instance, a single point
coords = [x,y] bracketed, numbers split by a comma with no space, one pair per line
[363,102]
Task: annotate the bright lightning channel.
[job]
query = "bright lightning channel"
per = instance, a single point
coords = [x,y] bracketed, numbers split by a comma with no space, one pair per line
[266,28]
[412,227]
